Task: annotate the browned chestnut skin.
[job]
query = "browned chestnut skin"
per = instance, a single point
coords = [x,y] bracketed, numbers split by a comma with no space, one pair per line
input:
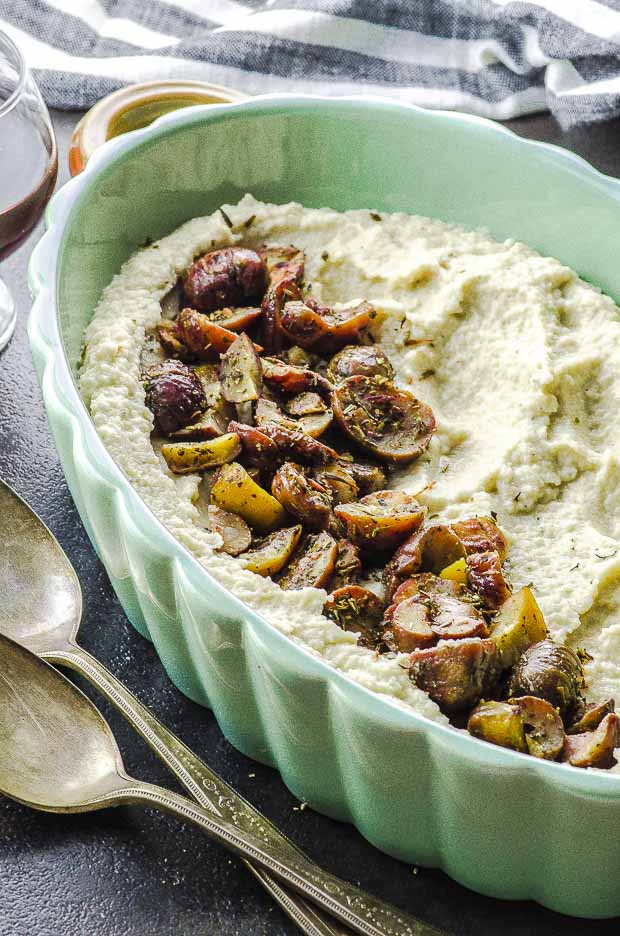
[448,613]
[283,263]
[311,325]
[171,340]
[204,338]
[480,534]
[430,548]
[348,567]
[285,271]
[379,521]
[174,394]
[303,497]
[258,448]
[339,482]
[544,731]
[369,360]
[455,674]
[553,672]
[594,748]
[391,423]
[407,626]
[369,478]
[293,379]
[593,715]
[230,276]
[359,610]
[238,318]
[298,446]
[484,571]
[313,564]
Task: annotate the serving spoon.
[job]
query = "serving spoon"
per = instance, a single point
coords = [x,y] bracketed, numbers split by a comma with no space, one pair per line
[57,754]
[41,608]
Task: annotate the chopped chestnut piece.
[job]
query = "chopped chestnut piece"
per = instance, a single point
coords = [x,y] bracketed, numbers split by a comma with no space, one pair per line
[236,319]
[269,555]
[544,731]
[339,482]
[527,724]
[235,533]
[268,411]
[204,338]
[292,378]
[303,497]
[208,426]
[594,714]
[430,548]
[227,277]
[480,534]
[449,613]
[369,478]
[381,520]
[391,423]
[295,444]
[454,618]
[170,338]
[285,269]
[305,404]
[283,263]
[594,748]
[408,626]
[313,565]
[358,610]
[302,325]
[368,360]
[174,394]
[258,448]
[241,375]
[455,673]
[348,565]
[484,571]
[553,672]
[425,584]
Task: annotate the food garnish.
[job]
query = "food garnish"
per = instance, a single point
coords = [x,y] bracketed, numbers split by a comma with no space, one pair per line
[320,513]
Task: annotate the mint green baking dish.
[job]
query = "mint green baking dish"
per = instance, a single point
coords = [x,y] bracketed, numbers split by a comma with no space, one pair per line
[498,822]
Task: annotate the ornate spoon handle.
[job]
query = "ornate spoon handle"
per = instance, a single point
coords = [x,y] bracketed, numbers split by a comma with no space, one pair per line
[207,787]
[362,912]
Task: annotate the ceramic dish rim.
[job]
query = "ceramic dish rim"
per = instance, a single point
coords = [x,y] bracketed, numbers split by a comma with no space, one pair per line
[44,331]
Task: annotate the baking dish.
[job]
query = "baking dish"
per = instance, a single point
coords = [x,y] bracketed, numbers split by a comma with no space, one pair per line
[499,822]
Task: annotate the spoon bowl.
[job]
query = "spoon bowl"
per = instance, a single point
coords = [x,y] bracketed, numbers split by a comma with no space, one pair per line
[41,603]
[56,750]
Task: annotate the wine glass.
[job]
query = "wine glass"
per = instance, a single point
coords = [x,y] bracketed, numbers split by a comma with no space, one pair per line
[28,162]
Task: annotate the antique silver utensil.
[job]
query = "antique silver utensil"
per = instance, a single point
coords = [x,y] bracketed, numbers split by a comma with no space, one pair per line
[41,606]
[57,754]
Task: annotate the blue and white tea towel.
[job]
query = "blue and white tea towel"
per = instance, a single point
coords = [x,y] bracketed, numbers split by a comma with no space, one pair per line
[498,58]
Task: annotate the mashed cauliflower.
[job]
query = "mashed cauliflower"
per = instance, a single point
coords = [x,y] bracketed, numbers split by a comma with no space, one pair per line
[520,363]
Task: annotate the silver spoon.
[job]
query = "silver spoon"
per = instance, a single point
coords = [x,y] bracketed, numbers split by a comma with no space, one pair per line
[57,754]
[41,607]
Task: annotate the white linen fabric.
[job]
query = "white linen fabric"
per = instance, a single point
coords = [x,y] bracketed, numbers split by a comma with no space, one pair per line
[497,58]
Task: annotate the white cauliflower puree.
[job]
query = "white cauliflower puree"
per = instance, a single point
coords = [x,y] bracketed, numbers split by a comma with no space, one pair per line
[520,363]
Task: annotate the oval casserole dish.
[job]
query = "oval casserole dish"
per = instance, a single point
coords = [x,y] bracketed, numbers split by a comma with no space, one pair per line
[499,822]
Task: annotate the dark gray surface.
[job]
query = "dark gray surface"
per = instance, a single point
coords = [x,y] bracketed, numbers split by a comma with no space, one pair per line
[131,873]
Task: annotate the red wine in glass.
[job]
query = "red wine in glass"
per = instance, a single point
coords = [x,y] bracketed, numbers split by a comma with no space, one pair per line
[28,162]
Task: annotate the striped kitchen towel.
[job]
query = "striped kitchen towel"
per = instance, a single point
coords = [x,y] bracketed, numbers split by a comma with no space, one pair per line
[498,58]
